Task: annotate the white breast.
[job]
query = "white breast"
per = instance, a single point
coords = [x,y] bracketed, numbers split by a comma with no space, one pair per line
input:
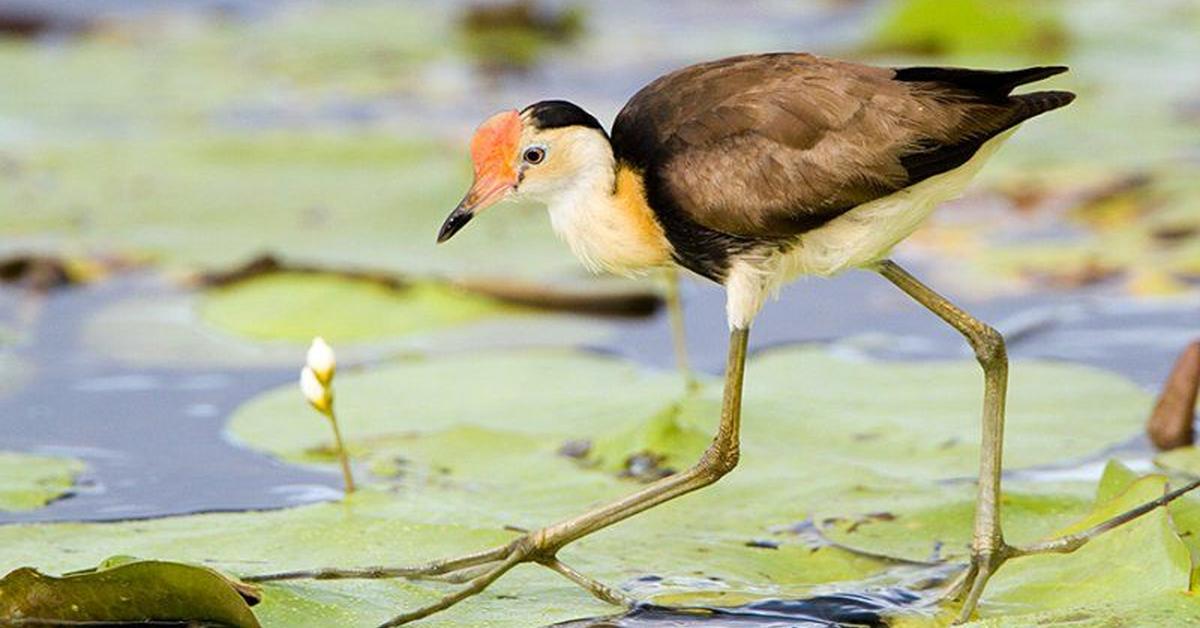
[604,235]
[584,222]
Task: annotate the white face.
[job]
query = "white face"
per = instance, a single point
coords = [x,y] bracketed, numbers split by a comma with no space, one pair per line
[555,162]
[514,159]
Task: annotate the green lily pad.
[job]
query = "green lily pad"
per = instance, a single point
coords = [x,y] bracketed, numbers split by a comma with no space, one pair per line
[967,26]
[415,423]
[358,200]
[1184,460]
[807,406]
[299,306]
[126,592]
[28,481]
[922,419]
[394,527]
[919,528]
[170,331]
[461,473]
[1137,574]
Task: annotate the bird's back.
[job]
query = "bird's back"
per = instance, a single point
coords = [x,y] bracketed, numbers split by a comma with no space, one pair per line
[768,147]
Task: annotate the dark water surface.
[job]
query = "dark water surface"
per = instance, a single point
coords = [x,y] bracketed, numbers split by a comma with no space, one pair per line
[822,611]
[152,438]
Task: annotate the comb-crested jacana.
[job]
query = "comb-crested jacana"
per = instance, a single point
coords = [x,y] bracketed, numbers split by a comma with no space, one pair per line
[751,171]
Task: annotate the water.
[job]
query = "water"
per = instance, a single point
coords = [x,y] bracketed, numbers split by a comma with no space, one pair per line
[865,610]
[152,438]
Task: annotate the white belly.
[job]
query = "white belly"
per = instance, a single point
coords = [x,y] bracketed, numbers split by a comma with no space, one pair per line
[860,237]
[867,233]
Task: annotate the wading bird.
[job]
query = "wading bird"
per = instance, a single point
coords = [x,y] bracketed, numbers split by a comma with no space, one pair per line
[751,171]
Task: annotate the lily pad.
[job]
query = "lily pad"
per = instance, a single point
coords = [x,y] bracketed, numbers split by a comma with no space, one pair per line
[170,331]
[461,474]
[805,415]
[967,26]
[127,592]
[28,481]
[374,526]
[298,306]
[1184,460]
[343,199]
[1137,574]
[806,406]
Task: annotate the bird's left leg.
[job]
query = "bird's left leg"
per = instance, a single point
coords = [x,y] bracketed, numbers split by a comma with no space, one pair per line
[988,548]
[678,331]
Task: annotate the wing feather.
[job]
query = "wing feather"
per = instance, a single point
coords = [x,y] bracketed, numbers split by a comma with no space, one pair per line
[773,145]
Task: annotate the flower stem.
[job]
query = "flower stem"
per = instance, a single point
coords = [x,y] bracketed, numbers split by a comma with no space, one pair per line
[347,478]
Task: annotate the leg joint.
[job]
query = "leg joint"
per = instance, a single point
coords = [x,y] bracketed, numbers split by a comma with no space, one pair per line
[717,462]
[988,345]
[535,546]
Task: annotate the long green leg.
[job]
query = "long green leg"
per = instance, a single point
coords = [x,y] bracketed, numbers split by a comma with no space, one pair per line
[988,549]
[542,546]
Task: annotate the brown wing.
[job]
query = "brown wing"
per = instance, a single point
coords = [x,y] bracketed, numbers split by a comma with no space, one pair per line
[774,145]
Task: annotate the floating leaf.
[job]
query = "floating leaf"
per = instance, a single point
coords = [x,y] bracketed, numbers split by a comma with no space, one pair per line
[826,439]
[125,592]
[1137,574]
[809,407]
[940,528]
[298,306]
[1185,460]
[967,26]
[350,200]
[169,331]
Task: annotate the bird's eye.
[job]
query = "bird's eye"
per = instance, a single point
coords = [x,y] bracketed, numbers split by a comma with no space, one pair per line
[534,155]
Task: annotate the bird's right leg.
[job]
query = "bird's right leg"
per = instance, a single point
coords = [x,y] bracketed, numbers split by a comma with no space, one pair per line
[481,569]
[988,548]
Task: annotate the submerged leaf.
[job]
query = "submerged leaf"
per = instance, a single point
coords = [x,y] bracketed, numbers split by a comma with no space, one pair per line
[28,481]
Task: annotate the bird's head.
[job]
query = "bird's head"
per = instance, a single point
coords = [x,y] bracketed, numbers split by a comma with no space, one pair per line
[538,153]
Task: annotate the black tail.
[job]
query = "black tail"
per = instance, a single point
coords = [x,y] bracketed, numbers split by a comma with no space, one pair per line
[1037,103]
[984,87]
[993,84]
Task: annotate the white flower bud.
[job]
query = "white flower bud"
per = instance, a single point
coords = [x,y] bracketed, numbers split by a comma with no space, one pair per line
[321,360]
[316,392]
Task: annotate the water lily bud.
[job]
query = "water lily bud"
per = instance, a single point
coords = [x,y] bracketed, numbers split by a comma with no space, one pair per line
[321,360]
[316,392]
